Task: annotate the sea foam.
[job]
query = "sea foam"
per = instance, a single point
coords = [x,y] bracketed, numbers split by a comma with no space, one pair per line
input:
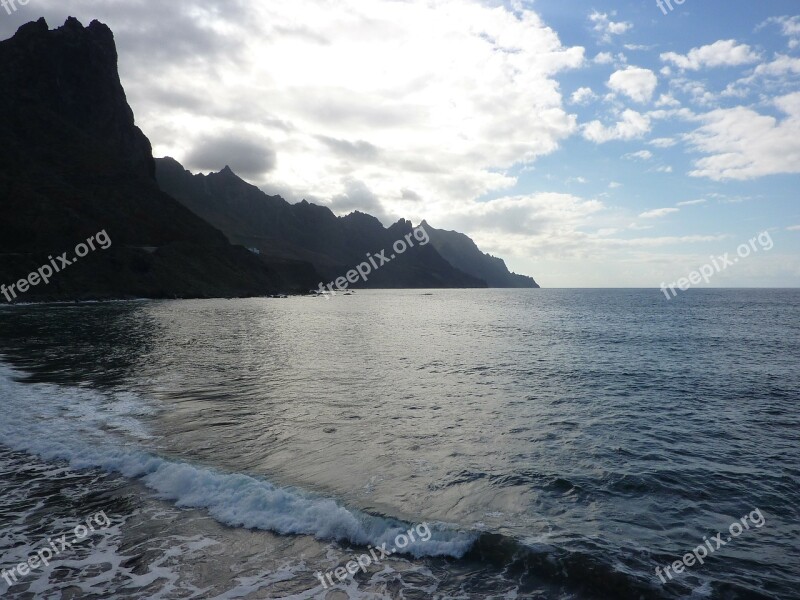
[89,429]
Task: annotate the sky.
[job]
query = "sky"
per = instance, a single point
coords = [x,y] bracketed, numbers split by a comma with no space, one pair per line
[589,144]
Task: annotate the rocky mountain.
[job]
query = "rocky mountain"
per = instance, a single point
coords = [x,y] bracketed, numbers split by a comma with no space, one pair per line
[308,232]
[463,253]
[73,163]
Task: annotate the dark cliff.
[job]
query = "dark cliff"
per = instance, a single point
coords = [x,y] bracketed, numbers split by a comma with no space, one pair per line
[73,163]
[463,253]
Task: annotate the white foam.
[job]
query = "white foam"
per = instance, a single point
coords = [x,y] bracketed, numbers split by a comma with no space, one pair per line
[85,428]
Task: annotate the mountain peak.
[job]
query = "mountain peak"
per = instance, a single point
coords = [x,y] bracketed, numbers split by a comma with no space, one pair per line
[76,81]
[33,28]
[73,23]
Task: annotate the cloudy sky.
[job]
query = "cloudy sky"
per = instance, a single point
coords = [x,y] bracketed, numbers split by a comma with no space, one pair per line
[588,143]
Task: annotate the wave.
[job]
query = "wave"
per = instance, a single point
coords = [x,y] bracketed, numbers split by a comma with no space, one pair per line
[88,429]
[93,430]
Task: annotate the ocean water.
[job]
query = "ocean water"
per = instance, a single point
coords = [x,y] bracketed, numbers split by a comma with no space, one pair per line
[553,444]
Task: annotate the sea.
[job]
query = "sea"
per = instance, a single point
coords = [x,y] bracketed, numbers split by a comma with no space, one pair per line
[504,444]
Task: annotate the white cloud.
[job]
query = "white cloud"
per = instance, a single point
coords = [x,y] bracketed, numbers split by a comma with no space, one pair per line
[667,100]
[614,185]
[742,144]
[793,228]
[604,58]
[723,53]
[636,83]
[657,213]
[772,73]
[582,95]
[782,65]
[632,126]
[663,142]
[640,155]
[664,169]
[692,202]
[608,28]
[542,214]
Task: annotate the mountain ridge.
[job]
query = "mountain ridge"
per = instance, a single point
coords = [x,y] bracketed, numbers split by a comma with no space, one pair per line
[307,232]
[215,195]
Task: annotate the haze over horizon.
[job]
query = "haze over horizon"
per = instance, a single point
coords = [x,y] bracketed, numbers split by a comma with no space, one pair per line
[589,145]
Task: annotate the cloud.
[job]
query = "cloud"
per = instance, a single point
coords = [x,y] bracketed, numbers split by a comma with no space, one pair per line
[376,90]
[782,65]
[606,27]
[667,100]
[657,213]
[638,47]
[636,83]
[534,214]
[770,76]
[743,144]
[358,197]
[410,195]
[582,96]
[790,27]
[247,157]
[663,142]
[793,228]
[692,202]
[632,126]
[604,58]
[640,155]
[723,53]
[578,179]
[359,150]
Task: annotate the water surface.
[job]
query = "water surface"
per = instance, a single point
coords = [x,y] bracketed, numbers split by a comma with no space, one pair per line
[560,443]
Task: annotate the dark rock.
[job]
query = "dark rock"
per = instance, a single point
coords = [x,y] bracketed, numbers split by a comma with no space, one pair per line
[73,163]
[463,253]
